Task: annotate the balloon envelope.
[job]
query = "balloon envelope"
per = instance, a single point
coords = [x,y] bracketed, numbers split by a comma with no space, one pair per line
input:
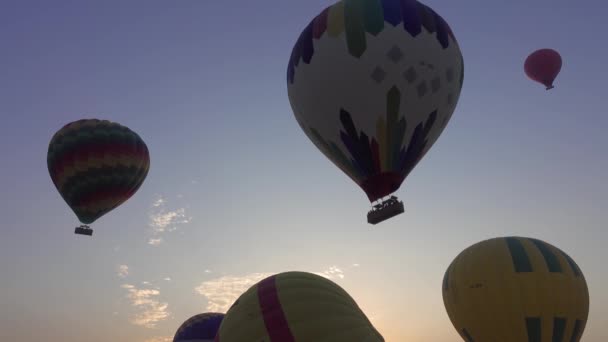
[373,84]
[96,165]
[296,306]
[199,328]
[543,66]
[516,289]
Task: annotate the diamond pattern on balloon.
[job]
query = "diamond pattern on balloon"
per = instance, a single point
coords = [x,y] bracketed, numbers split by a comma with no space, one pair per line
[422,89]
[395,54]
[378,74]
[410,75]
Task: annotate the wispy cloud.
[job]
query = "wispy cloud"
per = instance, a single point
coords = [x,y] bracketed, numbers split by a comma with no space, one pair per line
[159,339]
[332,273]
[222,292]
[149,310]
[167,279]
[123,271]
[163,220]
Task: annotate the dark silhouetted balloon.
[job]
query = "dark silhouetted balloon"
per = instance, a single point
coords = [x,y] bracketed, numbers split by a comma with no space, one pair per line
[199,328]
[96,165]
[543,66]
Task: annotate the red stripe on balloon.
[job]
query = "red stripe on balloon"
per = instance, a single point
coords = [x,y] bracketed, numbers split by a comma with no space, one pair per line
[376,156]
[272,312]
[320,24]
[114,151]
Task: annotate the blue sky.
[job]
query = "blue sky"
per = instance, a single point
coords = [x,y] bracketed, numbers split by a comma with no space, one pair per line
[237,191]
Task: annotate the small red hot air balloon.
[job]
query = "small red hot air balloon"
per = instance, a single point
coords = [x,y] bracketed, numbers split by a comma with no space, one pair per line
[543,66]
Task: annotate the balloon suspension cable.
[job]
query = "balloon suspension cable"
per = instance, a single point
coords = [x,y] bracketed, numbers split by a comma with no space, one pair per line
[84,230]
[385,210]
[550,87]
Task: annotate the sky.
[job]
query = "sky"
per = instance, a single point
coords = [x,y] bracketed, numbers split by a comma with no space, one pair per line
[236,191]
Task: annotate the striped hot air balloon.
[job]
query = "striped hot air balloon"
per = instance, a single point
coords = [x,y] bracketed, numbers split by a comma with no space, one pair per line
[96,165]
[296,307]
[373,84]
[200,328]
[516,289]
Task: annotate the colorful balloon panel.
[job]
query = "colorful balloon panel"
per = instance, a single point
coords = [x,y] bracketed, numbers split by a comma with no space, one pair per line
[516,289]
[373,83]
[296,307]
[96,165]
[199,328]
[543,66]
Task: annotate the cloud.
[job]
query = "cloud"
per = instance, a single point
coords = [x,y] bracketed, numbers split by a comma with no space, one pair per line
[123,271]
[167,279]
[356,265]
[159,339]
[155,242]
[149,309]
[332,273]
[222,292]
[163,220]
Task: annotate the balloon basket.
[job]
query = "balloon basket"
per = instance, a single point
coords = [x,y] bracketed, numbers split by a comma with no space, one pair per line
[385,211]
[84,230]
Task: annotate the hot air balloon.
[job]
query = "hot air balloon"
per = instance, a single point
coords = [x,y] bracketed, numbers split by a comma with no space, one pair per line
[296,306]
[96,165]
[199,328]
[516,289]
[373,83]
[543,66]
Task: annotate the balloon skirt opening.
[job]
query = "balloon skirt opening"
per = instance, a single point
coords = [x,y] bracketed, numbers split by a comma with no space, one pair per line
[381,185]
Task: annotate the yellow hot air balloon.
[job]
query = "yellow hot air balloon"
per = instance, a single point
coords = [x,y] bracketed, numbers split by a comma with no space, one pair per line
[296,307]
[514,289]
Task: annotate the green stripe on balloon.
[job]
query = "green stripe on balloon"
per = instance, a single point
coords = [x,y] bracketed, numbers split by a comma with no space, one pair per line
[374,16]
[354,25]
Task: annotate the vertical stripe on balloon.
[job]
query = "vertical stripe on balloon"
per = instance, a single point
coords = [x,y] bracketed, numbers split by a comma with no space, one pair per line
[374,19]
[335,19]
[577,331]
[520,259]
[409,13]
[320,24]
[534,329]
[272,312]
[381,135]
[354,25]
[392,11]
[559,327]
[550,258]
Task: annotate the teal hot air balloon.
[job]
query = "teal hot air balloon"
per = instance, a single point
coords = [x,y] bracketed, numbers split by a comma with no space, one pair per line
[373,84]
[96,165]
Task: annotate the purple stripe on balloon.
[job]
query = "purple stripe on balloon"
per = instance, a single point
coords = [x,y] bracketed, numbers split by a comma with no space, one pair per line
[392,11]
[411,20]
[320,24]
